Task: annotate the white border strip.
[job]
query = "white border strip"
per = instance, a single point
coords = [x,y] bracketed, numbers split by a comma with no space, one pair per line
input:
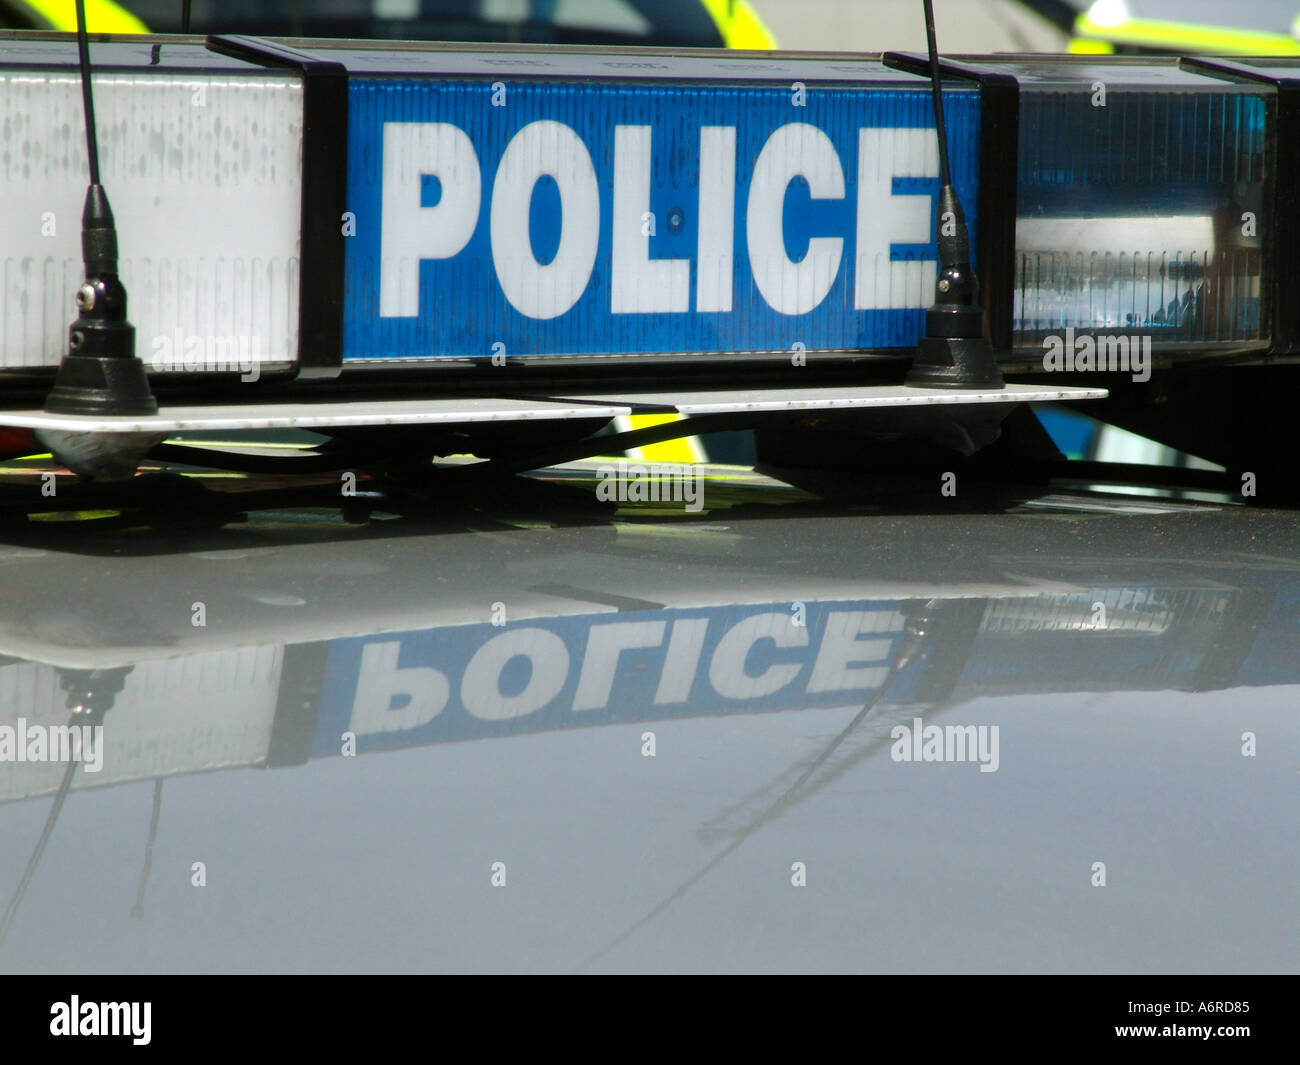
[460,410]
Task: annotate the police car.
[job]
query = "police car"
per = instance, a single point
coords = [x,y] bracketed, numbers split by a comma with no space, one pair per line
[1175,27]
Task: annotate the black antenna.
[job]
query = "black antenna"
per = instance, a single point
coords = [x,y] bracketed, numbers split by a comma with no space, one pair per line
[954,353]
[185,16]
[87,97]
[936,97]
[100,373]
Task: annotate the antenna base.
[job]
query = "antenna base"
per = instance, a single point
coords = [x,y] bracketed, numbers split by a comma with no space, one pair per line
[954,362]
[100,373]
[954,353]
[92,691]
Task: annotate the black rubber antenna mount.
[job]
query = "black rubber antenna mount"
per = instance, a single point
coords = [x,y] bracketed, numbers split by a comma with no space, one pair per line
[100,374]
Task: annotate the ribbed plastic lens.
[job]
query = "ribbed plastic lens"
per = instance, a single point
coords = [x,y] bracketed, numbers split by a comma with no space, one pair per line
[1142,212]
[205,179]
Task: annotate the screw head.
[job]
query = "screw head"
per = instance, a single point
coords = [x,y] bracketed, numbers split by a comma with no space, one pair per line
[76,340]
[944,285]
[86,298]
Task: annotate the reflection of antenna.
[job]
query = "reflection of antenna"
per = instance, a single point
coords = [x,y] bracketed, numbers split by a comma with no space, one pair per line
[100,373]
[35,859]
[90,695]
[954,353]
[917,633]
[138,909]
[737,819]
[185,16]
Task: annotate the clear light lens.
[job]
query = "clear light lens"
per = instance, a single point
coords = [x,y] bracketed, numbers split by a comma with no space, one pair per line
[205,179]
[1142,212]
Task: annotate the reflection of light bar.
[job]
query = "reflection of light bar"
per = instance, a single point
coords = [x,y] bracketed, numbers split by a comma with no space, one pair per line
[1153,637]
[176,715]
[225,698]
[1130,611]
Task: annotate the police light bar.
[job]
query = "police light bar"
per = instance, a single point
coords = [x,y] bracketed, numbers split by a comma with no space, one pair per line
[448,205]
[391,212]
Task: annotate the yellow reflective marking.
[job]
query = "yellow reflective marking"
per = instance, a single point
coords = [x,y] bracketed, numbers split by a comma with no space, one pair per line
[683,449]
[739,25]
[73,515]
[1188,37]
[102,16]
[1078,46]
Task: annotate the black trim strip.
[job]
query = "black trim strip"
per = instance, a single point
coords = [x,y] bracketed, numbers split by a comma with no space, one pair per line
[999,163]
[1282,244]
[297,709]
[324,196]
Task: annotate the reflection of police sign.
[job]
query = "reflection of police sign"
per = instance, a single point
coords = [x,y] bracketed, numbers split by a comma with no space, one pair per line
[482,680]
[622,218]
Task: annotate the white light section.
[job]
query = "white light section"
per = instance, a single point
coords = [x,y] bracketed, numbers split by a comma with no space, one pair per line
[205,179]
[1107,272]
[1171,235]
[175,715]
